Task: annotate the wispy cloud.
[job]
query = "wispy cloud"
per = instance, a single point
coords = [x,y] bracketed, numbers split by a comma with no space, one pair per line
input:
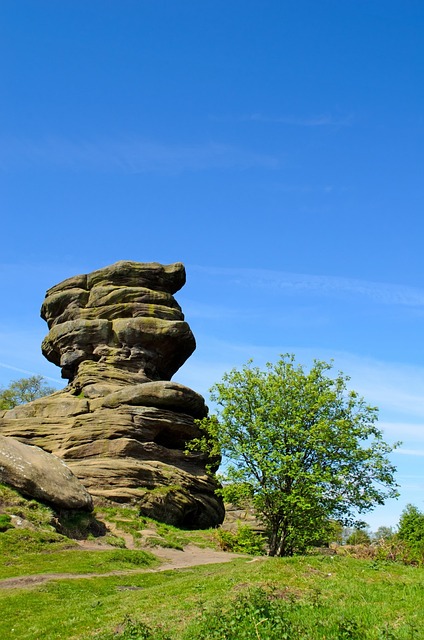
[21,356]
[275,281]
[129,155]
[306,316]
[408,430]
[318,120]
[396,388]
[411,452]
[30,373]
[308,188]
[194,309]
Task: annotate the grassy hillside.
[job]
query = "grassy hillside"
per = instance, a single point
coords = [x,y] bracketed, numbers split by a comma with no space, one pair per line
[318,597]
[259,598]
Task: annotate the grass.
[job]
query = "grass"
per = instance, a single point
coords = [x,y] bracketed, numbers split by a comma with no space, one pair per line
[35,513]
[315,597]
[80,525]
[36,547]
[75,561]
[127,519]
[319,597]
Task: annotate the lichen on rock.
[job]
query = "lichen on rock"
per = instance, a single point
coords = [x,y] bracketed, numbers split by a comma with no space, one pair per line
[121,425]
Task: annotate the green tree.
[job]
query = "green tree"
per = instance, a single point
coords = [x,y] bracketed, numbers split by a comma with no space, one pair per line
[411,527]
[359,536]
[24,390]
[383,533]
[300,446]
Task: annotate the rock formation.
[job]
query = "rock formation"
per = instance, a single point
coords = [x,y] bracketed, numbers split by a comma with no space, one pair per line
[121,425]
[41,475]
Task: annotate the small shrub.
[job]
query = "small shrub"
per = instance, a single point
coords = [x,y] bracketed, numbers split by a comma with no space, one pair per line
[134,630]
[253,615]
[384,550]
[393,550]
[244,540]
[363,551]
[349,629]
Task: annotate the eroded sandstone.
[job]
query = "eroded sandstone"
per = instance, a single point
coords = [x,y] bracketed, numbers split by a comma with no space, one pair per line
[121,424]
[41,475]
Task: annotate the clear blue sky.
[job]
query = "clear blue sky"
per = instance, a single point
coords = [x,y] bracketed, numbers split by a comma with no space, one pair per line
[275,147]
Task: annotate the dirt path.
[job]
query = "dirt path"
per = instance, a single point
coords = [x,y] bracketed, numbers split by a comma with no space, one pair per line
[191,556]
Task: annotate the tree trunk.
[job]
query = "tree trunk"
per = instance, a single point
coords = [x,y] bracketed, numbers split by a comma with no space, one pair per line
[283,549]
[273,540]
[282,546]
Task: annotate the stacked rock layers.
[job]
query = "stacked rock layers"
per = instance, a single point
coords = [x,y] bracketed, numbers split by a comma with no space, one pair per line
[121,425]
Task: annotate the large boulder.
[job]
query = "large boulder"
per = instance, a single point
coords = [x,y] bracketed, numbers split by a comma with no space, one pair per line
[41,475]
[121,424]
[124,316]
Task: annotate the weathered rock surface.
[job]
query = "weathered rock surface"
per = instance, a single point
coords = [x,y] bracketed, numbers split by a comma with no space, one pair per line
[121,425]
[123,316]
[41,475]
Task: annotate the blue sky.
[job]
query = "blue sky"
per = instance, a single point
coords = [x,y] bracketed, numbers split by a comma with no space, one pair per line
[275,147]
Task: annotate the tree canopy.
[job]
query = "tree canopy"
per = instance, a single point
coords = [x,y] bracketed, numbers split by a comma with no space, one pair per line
[411,527]
[302,447]
[24,390]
